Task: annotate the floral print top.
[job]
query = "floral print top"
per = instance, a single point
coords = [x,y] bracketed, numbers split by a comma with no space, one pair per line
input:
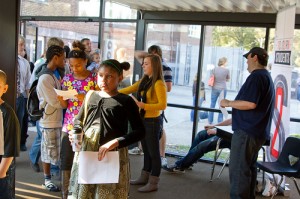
[82,87]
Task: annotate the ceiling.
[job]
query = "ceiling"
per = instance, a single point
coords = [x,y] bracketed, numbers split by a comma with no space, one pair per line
[235,6]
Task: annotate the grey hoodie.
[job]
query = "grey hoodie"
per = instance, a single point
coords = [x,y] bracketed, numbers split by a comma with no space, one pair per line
[53,114]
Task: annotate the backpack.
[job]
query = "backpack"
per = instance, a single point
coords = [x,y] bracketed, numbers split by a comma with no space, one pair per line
[33,102]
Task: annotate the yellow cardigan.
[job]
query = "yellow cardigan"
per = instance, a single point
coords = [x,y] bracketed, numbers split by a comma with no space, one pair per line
[154,104]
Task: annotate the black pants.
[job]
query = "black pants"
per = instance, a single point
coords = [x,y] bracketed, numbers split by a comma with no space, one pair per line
[5,190]
[150,144]
[66,152]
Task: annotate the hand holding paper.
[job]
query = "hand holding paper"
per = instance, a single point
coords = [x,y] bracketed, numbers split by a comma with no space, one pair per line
[223,109]
[92,171]
[224,112]
[69,94]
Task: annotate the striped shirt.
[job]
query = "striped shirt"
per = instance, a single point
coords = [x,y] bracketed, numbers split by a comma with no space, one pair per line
[167,72]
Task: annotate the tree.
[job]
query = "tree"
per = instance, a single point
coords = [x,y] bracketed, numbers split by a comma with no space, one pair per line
[242,37]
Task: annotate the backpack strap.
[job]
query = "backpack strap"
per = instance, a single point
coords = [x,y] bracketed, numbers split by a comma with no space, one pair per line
[86,100]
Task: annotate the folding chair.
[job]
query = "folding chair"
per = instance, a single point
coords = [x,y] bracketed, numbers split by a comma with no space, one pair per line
[217,154]
[288,163]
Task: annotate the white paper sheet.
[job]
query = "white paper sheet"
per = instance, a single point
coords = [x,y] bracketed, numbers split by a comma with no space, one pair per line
[92,171]
[1,134]
[223,110]
[228,129]
[69,94]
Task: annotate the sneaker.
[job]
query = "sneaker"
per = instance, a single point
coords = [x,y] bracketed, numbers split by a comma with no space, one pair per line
[269,189]
[50,186]
[35,167]
[135,151]
[164,161]
[190,167]
[173,169]
[23,147]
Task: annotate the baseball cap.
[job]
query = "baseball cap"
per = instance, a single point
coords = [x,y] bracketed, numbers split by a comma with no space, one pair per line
[261,53]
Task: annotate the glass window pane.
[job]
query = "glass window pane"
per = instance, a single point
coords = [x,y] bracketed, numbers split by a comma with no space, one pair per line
[88,8]
[294,129]
[31,43]
[179,130]
[119,43]
[295,81]
[67,31]
[115,10]
[180,51]
[230,43]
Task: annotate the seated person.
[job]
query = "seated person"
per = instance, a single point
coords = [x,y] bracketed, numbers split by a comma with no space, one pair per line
[205,141]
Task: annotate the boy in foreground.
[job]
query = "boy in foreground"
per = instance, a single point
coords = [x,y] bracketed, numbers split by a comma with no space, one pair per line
[9,142]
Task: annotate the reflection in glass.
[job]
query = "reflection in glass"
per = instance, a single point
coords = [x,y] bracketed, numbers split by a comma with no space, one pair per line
[119,43]
[179,130]
[180,49]
[67,31]
[231,43]
[114,10]
[89,8]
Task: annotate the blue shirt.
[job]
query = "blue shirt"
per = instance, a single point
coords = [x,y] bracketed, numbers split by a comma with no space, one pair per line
[259,89]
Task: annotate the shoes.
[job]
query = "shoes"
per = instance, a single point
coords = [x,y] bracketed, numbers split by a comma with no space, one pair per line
[164,161]
[23,147]
[173,169]
[190,168]
[135,151]
[31,124]
[269,189]
[35,167]
[50,186]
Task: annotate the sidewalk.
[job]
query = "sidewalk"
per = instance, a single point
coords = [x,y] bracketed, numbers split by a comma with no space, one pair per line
[28,182]
[193,184]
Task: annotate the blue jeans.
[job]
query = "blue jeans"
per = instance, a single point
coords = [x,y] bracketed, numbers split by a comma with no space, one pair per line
[202,144]
[298,92]
[215,93]
[242,167]
[35,151]
[202,114]
[20,111]
[150,144]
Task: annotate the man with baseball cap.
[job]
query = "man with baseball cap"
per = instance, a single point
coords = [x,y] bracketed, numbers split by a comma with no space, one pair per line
[252,112]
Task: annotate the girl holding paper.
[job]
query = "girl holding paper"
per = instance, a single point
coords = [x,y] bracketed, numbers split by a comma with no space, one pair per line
[104,119]
[82,81]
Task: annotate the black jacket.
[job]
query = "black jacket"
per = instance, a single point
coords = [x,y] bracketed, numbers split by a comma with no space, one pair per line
[113,114]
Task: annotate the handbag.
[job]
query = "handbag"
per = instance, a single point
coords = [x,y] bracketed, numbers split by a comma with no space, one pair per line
[211,80]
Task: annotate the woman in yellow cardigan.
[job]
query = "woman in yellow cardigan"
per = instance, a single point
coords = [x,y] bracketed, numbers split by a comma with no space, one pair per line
[151,99]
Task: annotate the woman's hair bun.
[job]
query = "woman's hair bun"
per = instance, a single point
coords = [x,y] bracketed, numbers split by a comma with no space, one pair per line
[125,66]
[77,45]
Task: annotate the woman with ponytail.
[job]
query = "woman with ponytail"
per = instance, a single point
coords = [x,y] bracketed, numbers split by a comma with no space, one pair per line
[103,119]
[152,100]
[82,81]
